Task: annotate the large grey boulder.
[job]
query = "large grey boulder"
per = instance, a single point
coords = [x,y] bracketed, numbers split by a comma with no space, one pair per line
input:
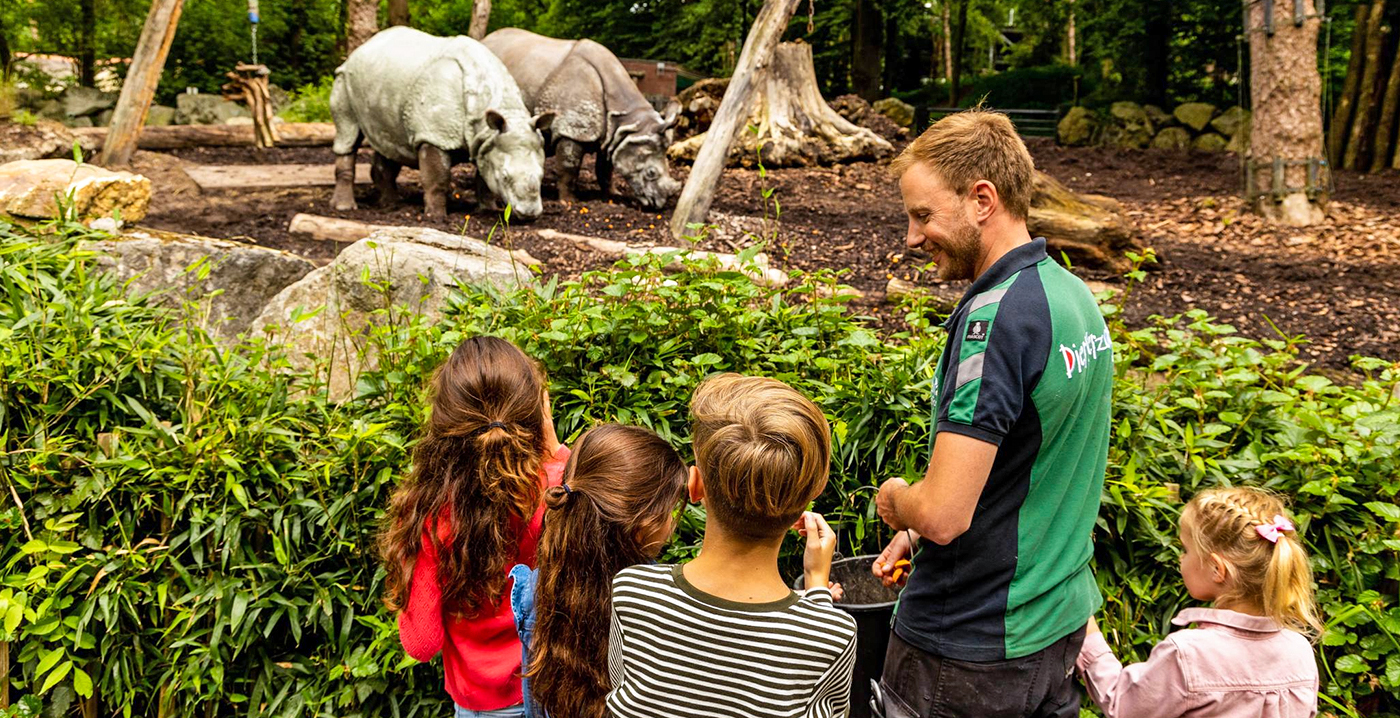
[1078,127]
[84,101]
[1172,138]
[1195,115]
[231,282]
[197,109]
[1210,142]
[1160,117]
[160,115]
[899,111]
[1129,126]
[326,314]
[1230,121]
[45,139]
[33,188]
[1239,143]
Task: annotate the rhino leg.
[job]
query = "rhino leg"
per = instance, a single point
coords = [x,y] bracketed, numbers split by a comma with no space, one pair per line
[347,143]
[570,157]
[344,196]
[436,172]
[485,198]
[385,173]
[603,167]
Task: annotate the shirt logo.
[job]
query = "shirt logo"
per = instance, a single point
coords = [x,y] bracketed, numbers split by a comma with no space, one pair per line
[977,330]
[1078,357]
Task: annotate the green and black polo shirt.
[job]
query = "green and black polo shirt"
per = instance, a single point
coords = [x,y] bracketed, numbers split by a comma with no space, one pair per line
[1028,366]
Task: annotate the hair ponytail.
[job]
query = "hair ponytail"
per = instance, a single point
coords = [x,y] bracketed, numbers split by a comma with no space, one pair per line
[1287,589]
[620,480]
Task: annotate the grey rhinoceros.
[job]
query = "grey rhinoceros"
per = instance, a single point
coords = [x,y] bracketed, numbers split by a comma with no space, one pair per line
[429,102]
[597,107]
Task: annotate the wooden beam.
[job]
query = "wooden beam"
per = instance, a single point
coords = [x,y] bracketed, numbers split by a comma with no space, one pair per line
[700,187]
[178,137]
[141,80]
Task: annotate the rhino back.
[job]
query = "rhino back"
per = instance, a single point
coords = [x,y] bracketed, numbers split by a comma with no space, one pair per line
[530,58]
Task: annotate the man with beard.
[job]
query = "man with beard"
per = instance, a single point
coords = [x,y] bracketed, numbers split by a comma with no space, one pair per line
[994,612]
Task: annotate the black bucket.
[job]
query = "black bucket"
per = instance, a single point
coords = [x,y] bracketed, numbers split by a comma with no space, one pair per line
[872,605]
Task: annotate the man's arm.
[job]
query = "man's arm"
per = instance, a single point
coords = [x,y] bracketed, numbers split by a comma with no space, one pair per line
[941,506]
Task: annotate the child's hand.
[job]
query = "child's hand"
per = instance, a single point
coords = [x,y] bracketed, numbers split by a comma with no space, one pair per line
[821,544]
[837,593]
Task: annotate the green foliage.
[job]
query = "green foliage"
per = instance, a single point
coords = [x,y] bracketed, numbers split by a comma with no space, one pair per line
[310,103]
[192,526]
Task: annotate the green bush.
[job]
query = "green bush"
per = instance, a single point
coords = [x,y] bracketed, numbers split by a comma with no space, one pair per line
[189,528]
[310,103]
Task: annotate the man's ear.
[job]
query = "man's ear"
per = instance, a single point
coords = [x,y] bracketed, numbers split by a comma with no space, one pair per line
[695,486]
[987,198]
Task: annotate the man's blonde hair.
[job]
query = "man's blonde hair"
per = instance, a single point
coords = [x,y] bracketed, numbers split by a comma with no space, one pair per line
[973,145]
[763,450]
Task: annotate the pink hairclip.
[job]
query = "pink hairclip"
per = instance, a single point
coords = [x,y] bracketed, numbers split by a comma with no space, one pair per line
[1272,531]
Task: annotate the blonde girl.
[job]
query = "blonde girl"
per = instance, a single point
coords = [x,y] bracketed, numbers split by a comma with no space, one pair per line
[1249,655]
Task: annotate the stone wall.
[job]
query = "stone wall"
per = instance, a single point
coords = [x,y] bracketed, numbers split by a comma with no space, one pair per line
[90,107]
[1128,125]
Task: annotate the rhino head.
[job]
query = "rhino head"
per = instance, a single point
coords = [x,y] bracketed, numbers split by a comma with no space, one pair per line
[639,155]
[511,161]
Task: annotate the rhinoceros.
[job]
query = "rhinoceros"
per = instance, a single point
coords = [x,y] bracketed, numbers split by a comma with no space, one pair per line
[598,109]
[429,102]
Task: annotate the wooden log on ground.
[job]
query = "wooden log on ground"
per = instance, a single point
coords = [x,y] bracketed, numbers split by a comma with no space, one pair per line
[179,137]
[1341,116]
[764,274]
[1361,124]
[349,231]
[700,186]
[139,87]
[1091,230]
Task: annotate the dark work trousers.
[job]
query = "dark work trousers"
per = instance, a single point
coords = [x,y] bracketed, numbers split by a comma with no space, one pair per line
[921,685]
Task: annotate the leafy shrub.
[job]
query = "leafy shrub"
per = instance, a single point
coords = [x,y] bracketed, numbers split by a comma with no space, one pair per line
[192,526]
[310,103]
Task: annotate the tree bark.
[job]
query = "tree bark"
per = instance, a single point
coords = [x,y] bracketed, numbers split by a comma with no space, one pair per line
[1071,52]
[1286,93]
[865,51]
[87,38]
[1385,129]
[1158,50]
[947,40]
[1358,143]
[700,186]
[481,18]
[362,21]
[141,80]
[794,126]
[1341,114]
[5,55]
[959,43]
[890,53]
[398,12]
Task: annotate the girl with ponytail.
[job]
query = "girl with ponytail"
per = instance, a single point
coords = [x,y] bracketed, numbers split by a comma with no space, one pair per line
[614,509]
[1250,655]
[469,511]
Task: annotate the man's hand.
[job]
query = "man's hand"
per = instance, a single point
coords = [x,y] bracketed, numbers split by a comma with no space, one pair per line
[1093,628]
[884,566]
[885,503]
[821,544]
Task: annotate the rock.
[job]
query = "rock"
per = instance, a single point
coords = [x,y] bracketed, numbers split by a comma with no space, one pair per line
[196,109]
[1210,142]
[1172,138]
[417,269]
[1078,127]
[1129,126]
[1239,144]
[899,111]
[1195,115]
[280,98]
[51,110]
[240,277]
[43,140]
[29,189]
[852,107]
[1230,121]
[857,111]
[160,115]
[84,101]
[102,119]
[78,122]
[1160,117]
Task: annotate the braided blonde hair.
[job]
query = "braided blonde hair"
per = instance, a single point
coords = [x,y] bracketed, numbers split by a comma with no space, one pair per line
[1274,576]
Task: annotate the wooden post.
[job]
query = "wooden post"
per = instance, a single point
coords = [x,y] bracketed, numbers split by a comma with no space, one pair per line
[481,17]
[141,81]
[700,187]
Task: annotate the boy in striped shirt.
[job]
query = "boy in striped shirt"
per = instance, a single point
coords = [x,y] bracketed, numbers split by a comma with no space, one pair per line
[723,636]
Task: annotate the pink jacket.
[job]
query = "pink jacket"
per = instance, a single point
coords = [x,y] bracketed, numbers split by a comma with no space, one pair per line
[1232,666]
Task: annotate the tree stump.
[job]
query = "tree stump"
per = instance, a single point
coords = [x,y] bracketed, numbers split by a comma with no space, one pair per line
[1092,230]
[790,125]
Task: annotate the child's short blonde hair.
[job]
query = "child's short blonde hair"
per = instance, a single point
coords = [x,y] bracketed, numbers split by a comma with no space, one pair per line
[1275,576]
[763,450]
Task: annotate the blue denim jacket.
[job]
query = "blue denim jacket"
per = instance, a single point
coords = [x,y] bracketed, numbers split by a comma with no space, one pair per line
[522,604]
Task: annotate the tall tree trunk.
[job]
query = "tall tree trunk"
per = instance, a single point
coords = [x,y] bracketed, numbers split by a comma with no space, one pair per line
[139,88]
[1358,143]
[362,21]
[959,43]
[1385,129]
[481,17]
[1341,115]
[891,52]
[1158,50]
[5,54]
[87,39]
[1071,52]
[948,40]
[865,50]
[935,58]
[1286,92]
[398,12]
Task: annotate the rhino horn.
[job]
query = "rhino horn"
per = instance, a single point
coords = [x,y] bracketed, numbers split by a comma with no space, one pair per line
[496,120]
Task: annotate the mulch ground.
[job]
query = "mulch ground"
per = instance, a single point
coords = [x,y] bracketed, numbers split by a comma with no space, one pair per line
[1337,284]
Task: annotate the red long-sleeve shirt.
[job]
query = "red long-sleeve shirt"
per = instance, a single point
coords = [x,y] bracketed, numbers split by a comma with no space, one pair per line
[481,654]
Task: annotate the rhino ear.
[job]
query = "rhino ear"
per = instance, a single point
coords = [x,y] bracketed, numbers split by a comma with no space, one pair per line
[543,121]
[668,118]
[496,120]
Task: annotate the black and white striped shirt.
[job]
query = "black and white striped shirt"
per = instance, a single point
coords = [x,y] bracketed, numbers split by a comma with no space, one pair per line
[677,651]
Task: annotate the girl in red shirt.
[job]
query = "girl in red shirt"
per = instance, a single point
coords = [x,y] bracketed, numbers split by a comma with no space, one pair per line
[470,511]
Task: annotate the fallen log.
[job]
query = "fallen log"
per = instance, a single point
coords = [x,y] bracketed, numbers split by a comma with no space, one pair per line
[178,137]
[1091,230]
[761,273]
[349,231]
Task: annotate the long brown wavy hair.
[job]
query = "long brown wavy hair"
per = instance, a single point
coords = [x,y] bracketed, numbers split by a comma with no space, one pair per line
[624,483]
[477,466]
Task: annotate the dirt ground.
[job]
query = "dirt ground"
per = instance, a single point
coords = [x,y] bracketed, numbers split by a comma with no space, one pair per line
[1338,285]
